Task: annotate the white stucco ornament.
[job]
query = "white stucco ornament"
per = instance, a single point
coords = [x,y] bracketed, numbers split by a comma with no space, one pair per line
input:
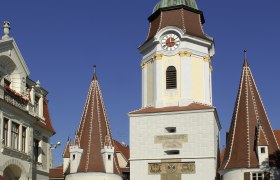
[6,29]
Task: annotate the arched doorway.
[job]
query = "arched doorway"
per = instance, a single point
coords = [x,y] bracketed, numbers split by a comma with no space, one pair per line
[12,172]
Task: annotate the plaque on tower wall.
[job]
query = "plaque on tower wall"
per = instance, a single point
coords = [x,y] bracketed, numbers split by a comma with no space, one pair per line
[172,168]
[171,141]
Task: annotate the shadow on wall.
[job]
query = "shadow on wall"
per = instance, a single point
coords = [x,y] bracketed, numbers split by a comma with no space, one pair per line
[274,166]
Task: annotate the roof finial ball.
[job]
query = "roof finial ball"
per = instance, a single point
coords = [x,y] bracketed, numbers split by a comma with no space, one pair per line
[6,29]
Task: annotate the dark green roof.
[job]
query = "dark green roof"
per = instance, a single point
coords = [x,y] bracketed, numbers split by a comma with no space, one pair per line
[171,3]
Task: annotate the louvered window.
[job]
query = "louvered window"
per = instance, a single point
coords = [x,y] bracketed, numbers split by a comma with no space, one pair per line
[171,78]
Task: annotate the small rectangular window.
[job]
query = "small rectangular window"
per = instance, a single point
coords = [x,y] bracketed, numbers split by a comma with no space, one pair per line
[171,129]
[262,150]
[109,157]
[258,176]
[172,152]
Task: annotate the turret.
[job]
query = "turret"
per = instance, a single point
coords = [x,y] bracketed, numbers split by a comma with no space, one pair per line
[108,155]
[75,156]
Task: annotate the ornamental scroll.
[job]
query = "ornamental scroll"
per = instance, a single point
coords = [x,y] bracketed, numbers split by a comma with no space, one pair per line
[172,168]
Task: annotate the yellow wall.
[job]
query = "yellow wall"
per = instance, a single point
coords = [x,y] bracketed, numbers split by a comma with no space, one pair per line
[197,78]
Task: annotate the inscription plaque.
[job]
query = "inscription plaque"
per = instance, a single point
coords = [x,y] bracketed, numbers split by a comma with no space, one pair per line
[171,141]
[172,168]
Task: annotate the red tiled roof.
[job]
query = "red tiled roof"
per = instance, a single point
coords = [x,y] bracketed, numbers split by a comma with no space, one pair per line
[277,135]
[56,173]
[191,107]
[262,141]
[222,154]
[47,123]
[2,178]
[249,115]
[94,132]
[189,21]
[122,148]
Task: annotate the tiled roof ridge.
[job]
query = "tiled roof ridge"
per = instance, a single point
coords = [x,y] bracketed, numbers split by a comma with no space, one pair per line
[142,108]
[192,103]
[261,136]
[247,117]
[109,132]
[203,104]
[91,122]
[82,121]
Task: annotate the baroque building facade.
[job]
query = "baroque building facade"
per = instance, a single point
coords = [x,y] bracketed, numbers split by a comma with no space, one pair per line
[25,124]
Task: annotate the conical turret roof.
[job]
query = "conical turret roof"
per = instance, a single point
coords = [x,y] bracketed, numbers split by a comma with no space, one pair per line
[94,132]
[66,152]
[250,126]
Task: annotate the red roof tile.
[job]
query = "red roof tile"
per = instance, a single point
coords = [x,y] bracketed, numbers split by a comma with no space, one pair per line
[56,173]
[249,113]
[222,154]
[191,107]
[122,148]
[47,123]
[277,135]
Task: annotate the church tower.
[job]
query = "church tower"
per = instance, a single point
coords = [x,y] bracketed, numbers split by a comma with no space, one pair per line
[175,135]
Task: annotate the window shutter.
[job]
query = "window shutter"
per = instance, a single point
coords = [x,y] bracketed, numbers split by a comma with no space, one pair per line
[266,175]
[171,78]
[247,176]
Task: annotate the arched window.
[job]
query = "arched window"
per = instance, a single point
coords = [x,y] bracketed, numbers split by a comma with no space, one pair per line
[171,78]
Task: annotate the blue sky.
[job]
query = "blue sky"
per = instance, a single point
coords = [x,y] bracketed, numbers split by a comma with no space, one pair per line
[62,40]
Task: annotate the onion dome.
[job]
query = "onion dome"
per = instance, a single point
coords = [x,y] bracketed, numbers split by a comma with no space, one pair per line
[171,3]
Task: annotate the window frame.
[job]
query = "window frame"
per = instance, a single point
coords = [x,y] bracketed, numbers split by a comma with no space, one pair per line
[15,135]
[171,77]
[257,175]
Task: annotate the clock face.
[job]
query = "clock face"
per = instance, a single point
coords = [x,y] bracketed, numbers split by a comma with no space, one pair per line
[170,42]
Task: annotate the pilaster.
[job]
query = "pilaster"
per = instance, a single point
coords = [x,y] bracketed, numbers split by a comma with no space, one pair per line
[158,89]
[186,78]
[9,133]
[41,100]
[20,138]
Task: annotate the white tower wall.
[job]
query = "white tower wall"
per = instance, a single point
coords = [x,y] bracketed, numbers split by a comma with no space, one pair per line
[196,139]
